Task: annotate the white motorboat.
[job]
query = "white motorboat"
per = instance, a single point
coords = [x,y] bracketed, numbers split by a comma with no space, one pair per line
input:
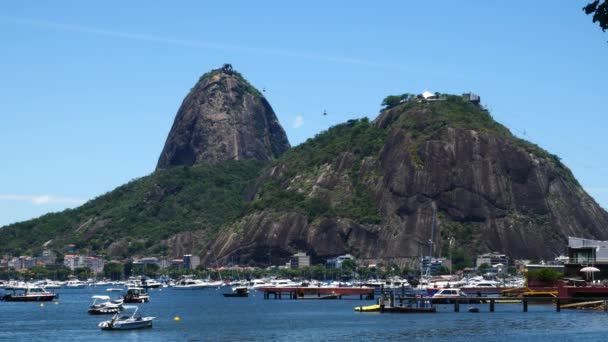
[102,305]
[48,284]
[101,283]
[213,283]
[450,293]
[127,322]
[283,283]
[257,283]
[75,284]
[190,284]
[151,284]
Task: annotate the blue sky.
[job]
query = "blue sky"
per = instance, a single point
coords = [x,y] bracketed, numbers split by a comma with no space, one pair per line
[89,91]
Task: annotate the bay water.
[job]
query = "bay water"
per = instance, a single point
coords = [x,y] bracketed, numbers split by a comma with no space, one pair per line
[205,315]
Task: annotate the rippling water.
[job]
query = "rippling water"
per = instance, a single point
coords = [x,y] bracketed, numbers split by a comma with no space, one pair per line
[207,316]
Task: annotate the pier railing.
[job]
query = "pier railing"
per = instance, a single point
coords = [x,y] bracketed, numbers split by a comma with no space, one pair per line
[492,302]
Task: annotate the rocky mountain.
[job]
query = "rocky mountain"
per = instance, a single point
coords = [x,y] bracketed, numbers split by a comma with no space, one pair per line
[225,190]
[491,190]
[223,118]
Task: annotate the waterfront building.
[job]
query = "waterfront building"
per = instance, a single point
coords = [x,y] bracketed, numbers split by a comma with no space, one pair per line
[160,262]
[435,265]
[47,257]
[492,259]
[94,263]
[73,261]
[586,252]
[299,260]
[337,261]
[4,263]
[191,261]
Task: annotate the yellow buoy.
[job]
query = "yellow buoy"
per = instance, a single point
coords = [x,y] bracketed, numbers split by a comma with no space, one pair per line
[176,318]
[41,305]
[56,302]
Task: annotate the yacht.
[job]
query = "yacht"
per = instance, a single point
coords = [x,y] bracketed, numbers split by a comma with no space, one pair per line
[283,283]
[29,294]
[151,284]
[190,284]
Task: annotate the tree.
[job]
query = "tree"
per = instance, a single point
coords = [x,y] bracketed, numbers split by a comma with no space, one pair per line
[83,272]
[348,266]
[113,270]
[391,101]
[599,11]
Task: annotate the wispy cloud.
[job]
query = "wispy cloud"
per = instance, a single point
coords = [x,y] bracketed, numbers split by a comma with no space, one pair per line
[41,199]
[200,44]
[298,121]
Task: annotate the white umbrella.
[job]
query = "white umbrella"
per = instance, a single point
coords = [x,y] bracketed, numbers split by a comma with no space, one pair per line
[590,269]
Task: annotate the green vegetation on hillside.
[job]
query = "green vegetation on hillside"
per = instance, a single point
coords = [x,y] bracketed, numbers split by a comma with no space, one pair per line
[143,211]
[358,137]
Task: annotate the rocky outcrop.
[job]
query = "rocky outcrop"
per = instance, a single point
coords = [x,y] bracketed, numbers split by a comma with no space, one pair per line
[223,118]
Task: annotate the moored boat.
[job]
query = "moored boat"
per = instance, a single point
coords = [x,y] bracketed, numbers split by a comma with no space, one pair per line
[29,294]
[136,295]
[127,322]
[188,283]
[238,292]
[102,305]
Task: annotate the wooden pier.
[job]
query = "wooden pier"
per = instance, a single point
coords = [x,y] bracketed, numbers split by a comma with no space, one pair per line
[317,292]
[600,303]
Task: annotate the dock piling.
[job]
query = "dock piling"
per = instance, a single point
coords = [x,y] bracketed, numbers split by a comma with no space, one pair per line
[491,305]
[456,306]
[525,301]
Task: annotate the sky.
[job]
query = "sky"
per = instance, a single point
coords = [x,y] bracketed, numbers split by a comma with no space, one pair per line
[89,90]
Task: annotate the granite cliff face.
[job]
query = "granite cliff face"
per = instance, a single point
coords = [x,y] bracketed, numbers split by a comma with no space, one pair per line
[492,192]
[223,118]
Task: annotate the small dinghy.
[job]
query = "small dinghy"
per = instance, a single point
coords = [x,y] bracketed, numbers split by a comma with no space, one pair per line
[473,309]
[126,322]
